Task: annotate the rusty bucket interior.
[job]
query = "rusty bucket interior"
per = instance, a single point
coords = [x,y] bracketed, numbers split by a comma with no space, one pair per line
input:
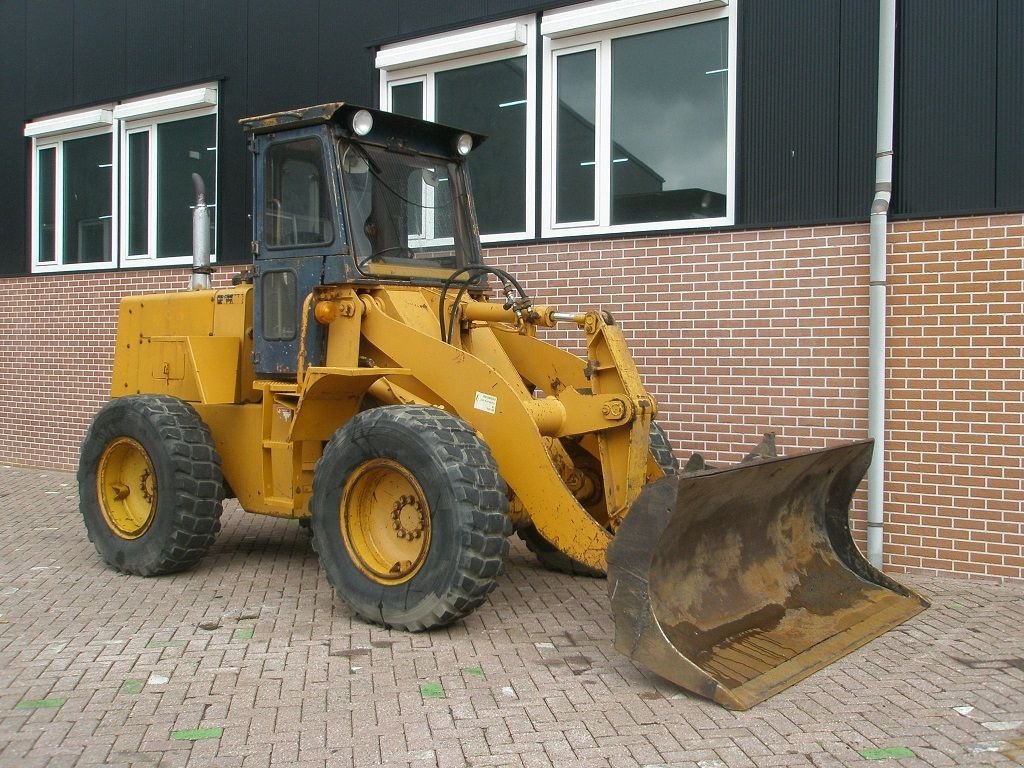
[737,583]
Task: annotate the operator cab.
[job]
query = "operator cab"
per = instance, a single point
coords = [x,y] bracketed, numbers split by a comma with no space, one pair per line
[346,194]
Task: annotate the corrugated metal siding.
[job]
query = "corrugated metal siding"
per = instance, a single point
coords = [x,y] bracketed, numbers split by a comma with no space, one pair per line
[14,192]
[154,47]
[789,109]
[947,107]
[99,49]
[215,40]
[858,75]
[282,54]
[346,71]
[49,47]
[416,15]
[1010,113]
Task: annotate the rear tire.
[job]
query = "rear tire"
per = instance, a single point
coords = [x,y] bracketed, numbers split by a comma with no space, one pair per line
[410,517]
[150,485]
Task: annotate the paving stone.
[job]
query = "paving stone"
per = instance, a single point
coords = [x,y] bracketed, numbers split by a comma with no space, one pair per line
[530,679]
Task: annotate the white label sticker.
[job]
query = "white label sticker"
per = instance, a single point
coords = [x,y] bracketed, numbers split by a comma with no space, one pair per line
[485,403]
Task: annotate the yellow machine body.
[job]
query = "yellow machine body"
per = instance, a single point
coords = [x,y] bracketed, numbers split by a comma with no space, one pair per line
[523,395]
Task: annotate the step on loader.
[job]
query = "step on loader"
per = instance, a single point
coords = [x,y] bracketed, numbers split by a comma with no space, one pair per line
[362,378]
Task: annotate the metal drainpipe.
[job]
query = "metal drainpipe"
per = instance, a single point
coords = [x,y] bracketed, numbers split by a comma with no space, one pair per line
[878,271]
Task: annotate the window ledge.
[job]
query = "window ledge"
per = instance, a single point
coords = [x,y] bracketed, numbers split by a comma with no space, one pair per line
[497,38]
[597,17]
[166,104]
[77,121]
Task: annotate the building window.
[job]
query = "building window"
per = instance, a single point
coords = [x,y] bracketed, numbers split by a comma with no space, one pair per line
[72,191]
[165,139]
[483,80]
[113,186]
[639,111]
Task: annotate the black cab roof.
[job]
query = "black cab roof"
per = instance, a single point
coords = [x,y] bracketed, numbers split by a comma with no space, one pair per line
[388,129]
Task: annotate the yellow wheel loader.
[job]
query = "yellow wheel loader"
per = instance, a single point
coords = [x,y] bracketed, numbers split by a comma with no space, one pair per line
[362,378]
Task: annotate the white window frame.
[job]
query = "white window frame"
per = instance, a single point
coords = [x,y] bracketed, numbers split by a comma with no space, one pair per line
[52,133]
[144,116]
[116,121]
[421,59]
[595,26]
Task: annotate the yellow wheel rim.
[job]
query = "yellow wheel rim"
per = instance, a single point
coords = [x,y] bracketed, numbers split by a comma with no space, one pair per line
[126,488]
[385,522]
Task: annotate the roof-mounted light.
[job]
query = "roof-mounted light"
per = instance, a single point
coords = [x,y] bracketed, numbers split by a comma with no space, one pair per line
[464,143]
[362,122]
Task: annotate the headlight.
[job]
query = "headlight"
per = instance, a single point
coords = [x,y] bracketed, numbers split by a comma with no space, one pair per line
[464,143]
[362,122]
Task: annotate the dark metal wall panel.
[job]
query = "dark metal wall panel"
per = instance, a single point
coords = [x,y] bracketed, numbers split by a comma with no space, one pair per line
[417,15]
[509,7]
[154,47]
[215,40]
[1010,112]
[283,56]
[788,111]
[99,48]
[49,47]
[858,76]
[346,70]
[15,189]
[947,107]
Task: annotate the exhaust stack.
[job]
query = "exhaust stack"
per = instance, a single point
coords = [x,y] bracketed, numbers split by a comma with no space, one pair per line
[201,269]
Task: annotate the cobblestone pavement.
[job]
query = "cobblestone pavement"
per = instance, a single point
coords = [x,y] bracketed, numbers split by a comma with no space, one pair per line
[248,661]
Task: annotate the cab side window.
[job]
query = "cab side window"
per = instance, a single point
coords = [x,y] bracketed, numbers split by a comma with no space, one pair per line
[296,205]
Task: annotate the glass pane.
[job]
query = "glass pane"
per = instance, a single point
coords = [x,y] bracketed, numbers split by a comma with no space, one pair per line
[407,99]
[87,215]
[399,233]
[669,109]
[296,211]
[280,302]
[576,148]
[491,99]
[138,193]
[183,147]
[46,204]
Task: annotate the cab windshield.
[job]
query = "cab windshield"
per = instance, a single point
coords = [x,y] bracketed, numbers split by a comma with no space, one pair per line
[406,214]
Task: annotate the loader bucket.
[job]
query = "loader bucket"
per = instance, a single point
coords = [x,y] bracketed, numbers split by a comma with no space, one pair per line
[737,583]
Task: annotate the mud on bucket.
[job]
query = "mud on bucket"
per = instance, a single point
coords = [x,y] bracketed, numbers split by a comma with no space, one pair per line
[737,583]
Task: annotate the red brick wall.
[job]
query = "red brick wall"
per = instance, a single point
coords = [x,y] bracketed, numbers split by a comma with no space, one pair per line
[735,333]
[56,349]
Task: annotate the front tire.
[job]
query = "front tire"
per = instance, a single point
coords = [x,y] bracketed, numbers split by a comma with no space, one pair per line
[661,450]
[150,485]
[410,517]
[551,558]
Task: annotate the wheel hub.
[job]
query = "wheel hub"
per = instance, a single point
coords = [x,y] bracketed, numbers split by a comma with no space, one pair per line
[126,488]
[408,518]
[385,521]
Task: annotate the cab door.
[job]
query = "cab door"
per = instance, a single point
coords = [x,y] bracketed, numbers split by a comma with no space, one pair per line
[295,228]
